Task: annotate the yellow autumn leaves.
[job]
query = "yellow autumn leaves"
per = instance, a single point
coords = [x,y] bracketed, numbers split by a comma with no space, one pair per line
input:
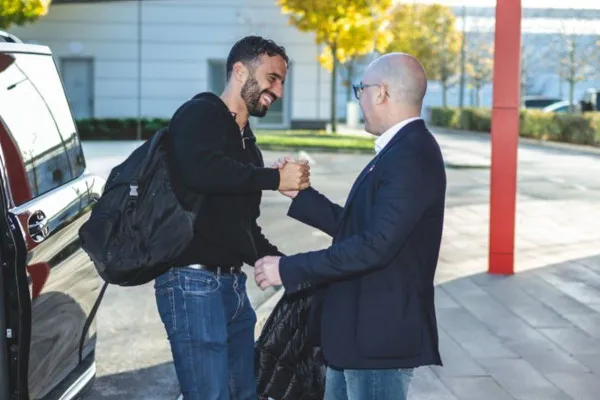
[352,27]
[20,12]
[359,27]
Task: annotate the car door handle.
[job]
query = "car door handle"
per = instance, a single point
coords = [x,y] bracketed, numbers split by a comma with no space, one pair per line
[38,226]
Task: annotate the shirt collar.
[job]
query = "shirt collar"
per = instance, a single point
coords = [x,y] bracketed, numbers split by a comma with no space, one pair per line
[385,138]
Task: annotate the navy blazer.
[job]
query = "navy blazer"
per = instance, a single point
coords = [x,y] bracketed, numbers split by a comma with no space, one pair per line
[375,283]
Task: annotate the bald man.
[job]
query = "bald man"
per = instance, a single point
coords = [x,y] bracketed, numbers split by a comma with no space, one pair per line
[374,303]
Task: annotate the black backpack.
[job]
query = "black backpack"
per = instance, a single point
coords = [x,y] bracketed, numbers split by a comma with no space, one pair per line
[138,226]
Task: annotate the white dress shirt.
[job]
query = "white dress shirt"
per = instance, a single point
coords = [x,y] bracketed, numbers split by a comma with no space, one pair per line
[385,138]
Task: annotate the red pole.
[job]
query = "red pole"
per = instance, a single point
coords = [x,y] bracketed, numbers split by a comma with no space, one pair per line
[505,136]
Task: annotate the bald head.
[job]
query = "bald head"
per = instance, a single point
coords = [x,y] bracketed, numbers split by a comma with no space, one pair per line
[403,76]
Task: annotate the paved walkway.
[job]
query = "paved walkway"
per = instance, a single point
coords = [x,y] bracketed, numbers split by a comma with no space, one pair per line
[534,335]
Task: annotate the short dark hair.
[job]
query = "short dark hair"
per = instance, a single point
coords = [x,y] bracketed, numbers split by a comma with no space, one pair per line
[249,49]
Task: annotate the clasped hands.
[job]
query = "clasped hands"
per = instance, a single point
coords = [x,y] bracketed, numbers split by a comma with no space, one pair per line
[294,175]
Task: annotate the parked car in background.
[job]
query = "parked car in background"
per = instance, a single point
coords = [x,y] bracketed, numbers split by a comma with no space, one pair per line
[539,101]
[47,283]
[9,37]
[590,101]
[562,107]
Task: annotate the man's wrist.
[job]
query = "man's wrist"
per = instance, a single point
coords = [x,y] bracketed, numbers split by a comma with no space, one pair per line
[269,179]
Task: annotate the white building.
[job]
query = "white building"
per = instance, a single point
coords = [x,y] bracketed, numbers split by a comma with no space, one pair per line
[124,58]
[120,58]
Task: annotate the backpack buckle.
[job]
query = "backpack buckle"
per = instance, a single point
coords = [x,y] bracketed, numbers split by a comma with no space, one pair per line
[133,190]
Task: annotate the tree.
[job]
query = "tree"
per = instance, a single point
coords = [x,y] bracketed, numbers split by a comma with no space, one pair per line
[575,63]
[578,58]
[348,29]
[19,12]
[428,32]
[368,36]
[480,63]
[527,65]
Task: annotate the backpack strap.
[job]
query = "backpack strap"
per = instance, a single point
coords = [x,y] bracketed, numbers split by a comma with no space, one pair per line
[90,318]
[154,142]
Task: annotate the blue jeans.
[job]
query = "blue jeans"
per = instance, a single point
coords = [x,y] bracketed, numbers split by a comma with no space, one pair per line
[210,325]
[366,384]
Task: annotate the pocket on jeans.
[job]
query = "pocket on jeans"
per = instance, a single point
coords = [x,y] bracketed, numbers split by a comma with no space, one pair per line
[200,284]
[165,300]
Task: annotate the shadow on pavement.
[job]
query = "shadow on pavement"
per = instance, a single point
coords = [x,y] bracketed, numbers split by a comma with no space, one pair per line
[535,334]
[153,383]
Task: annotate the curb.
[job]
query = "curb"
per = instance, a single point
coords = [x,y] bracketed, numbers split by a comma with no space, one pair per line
[522,140]
[264,310]
[315,149]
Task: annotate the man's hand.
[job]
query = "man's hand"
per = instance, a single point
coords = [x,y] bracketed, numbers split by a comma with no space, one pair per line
[293,176]
[280,163]
[266,272]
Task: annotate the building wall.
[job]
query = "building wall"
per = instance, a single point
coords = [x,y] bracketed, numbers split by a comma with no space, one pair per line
[178,40]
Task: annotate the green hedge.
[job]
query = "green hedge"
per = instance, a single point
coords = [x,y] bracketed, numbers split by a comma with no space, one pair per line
[117,129]
[570,128]
[126,129]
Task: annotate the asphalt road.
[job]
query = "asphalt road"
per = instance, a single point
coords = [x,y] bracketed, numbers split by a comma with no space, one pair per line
[133,356]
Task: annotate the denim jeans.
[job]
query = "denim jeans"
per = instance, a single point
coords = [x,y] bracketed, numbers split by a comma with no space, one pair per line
[355,384]
[210,326]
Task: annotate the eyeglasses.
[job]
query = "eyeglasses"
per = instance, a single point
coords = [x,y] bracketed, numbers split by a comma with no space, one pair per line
[358,89]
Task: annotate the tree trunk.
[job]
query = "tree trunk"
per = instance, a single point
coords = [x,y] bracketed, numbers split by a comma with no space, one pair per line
[444,95]
[477,95]
[350,75]
[333,90]
[349,93]
[572,74]
[463,58]
[572,84]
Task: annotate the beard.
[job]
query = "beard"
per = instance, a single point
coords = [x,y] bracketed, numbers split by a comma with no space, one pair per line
[251,93]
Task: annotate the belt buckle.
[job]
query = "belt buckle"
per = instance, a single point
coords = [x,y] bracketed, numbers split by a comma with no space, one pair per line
[232,270]
[222,270]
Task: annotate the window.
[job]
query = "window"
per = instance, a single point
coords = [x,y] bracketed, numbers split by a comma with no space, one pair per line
[41,70]
[36,155]
[217,75]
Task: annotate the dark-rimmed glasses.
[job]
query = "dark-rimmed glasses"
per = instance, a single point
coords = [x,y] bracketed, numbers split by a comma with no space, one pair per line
[361,86]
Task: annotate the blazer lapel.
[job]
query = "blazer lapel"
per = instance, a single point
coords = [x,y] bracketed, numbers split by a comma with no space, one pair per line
[365,172]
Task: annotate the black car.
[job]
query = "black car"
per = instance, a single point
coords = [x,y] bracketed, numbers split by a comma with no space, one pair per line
[539,101]
[47,283]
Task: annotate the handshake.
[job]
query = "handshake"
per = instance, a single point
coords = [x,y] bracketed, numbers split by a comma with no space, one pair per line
[294,175]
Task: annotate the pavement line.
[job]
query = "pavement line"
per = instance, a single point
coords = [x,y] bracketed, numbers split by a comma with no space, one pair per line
[556,180]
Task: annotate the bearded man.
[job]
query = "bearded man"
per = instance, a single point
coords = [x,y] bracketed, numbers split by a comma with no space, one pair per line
[216,166]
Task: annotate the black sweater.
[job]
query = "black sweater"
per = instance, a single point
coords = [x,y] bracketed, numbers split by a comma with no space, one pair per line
[210,161]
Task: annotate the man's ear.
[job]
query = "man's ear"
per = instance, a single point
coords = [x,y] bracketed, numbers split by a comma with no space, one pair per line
[381,91]
[240,72]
